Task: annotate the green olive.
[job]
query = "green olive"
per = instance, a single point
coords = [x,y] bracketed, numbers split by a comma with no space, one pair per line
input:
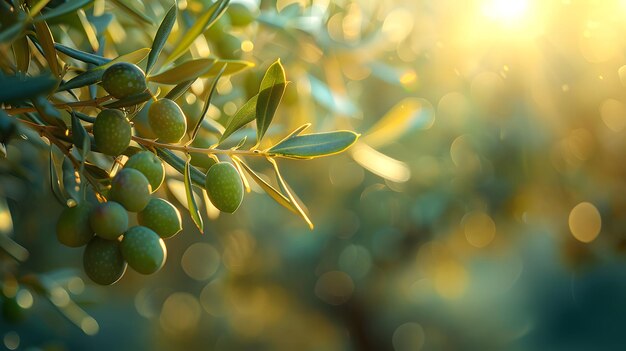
[144,250]
[103,261]
[112,132]
[109,220]
[167,121]
[150,166]
[73,227]
[124,79]
[162,217]
[131,188]
[224,187]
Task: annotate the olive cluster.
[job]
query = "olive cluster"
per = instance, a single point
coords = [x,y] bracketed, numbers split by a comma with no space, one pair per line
[110,243]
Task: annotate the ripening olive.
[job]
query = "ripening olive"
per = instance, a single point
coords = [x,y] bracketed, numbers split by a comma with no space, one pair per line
[167,120]
[224,187]
[162,217]
[144,250]
[150,166]
[103,261]
[73,227]
[130,188]
[112,132]
[109,220]
[124,79]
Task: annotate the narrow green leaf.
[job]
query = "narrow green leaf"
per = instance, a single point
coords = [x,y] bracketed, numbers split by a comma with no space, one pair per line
[81,55]
[48,112]
[21,50]
[80,135]
[314,145]
[232,67]
[130,8]
[245,115]
[94,75]
[179,89]
[84,117]
[13,88]
[292,199]
[271,92]
[406,116]
[212,126]
[161,36]
[197,178]
[65,8]
[212,14]
[191,201]
[207,104]
[270,190]
[185,71]
[44,36]
[130,100]
[56,174]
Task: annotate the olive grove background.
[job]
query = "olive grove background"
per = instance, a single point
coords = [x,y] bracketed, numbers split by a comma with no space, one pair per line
[481,209]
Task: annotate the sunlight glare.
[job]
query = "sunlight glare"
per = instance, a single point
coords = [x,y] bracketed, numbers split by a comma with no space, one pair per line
[507,12]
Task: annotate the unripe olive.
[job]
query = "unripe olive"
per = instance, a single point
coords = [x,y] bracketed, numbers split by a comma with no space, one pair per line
[73,227]
[199,159]
[103,261]
[131,189]
[141,123]
[224,187]
[144,250]
[191,111]
[112,132]
[150,166]
[109,220]
[241,15]
[167,121]
[162,217]
[124,79]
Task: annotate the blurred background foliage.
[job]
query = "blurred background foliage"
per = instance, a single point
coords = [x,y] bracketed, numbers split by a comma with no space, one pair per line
[482,209]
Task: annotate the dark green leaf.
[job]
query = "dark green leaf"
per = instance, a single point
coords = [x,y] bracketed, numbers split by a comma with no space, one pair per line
[15,88]
[81,55]
[161,36]
[130,100]
[314,145]
[179,89]
[207,103]
[211,15]
[244,116]
[191,201]
[197,178]
[271,92]
[185,71]
[56,174]
[80,135]
[84,117]
[65,8]
[48,112]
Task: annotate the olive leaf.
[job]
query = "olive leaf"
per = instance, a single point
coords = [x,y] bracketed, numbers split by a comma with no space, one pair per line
[197,178]
[129,8]
[191,201]
[130,100]
[21,50]
[270,190]
[292,199]
[81,55]
[94,75]
[46,41]
[161,36]
[207,104]
[13,87]
[232,67]
[243,116]
[180,89]
[270,93]
[203,23]
[64,8]
[35,8]
[183,72]
[56,174]
[309,146]
[405,116]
